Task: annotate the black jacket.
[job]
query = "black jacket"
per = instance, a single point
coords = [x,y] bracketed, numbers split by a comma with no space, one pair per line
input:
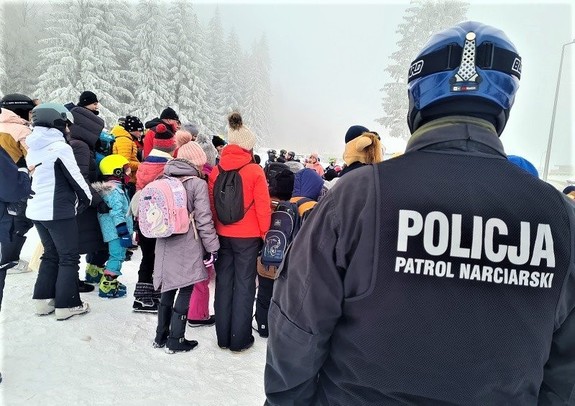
[84,137]
[443,276]
[15,186]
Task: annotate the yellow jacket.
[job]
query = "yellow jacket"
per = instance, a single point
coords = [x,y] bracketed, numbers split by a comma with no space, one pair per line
[124,145]
[15,149]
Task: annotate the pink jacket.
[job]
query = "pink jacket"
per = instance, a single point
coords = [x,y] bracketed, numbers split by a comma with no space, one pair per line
[14,125]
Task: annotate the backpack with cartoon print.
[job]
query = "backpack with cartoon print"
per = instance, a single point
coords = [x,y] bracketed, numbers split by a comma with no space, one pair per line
[284,226]
[163,208]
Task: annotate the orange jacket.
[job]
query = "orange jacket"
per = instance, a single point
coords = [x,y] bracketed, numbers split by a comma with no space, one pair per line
[256,221]
[124,145]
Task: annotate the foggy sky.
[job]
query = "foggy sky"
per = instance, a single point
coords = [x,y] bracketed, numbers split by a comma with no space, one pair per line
[328,62]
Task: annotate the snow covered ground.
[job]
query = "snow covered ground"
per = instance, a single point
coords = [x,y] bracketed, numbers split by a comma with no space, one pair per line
[106,356]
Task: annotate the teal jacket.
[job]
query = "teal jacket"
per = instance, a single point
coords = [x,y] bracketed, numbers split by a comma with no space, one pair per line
[117,200]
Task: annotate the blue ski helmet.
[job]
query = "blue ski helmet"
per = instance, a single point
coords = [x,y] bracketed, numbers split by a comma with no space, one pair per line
[470,66]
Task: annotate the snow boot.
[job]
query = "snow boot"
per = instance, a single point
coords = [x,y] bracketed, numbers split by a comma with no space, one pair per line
[109,286]
[176,340]
[210,321]
[44,306]
[84,287]
[163,329]
[93,273]
[67,312]
[144,298]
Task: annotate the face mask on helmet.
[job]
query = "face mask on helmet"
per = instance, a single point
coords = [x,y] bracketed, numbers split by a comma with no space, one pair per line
[469,69]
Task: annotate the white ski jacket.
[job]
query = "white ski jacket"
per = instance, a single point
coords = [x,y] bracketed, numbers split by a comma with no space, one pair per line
[58,186]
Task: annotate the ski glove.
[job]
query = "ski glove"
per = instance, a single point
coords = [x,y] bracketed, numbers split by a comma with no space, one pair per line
[124,235]
[102,207]
[210,258]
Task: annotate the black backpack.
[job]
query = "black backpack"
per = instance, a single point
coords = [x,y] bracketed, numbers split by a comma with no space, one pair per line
[285,224]
[229,196]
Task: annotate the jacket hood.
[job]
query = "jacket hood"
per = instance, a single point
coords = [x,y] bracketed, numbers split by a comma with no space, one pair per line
[118,131]
[153,122]
[234,157]
[103,188]
[180,167]
[8,116]
[40,137]
[307,183]
[87,126]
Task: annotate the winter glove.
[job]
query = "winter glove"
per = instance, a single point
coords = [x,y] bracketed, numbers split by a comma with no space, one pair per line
[22,163]
[102,207]
[82,206]
[124,235]
[210,258]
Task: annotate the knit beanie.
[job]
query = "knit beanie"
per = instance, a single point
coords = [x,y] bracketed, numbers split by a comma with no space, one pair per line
[281,186]
[86,98]
[218,141]
[182,137]
[211,151]
[169,114]
[164,139]
[193,152]
[239,134]
[132,123]
[295,166]
[354,131]
[191,128]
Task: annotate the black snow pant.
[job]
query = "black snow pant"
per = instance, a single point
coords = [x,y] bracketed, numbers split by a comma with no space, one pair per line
[265,290]
[58,272]
[98,258]
[11,250]
[182,303]
[235,291]
[148,247]
[3,270]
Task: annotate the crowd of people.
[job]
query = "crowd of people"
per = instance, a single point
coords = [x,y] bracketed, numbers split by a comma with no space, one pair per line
[445,275]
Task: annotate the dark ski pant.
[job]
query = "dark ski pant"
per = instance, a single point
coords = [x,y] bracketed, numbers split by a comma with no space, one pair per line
[235,290]
[265,290]
[182,303]
[2,280]
[148,247]
[58,272]
[97,258]
[11,250]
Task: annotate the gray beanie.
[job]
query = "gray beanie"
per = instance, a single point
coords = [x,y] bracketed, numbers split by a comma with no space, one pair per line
[206,144]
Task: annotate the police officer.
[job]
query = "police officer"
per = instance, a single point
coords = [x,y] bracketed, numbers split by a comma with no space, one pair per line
[443,276]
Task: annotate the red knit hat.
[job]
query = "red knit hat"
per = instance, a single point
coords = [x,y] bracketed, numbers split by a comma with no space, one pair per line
[164,139]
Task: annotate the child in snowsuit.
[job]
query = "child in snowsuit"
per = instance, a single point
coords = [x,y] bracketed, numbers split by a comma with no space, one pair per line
[117,225]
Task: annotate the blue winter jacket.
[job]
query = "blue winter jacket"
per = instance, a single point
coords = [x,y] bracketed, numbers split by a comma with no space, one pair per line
[119,204]
[14,187]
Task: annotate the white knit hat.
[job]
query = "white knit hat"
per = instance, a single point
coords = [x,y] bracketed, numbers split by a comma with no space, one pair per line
[193,152]
[239,134]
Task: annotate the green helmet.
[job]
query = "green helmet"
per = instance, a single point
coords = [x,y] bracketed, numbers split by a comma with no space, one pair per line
[51,115]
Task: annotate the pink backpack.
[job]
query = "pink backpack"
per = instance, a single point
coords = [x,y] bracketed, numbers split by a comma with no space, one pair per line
[163,208]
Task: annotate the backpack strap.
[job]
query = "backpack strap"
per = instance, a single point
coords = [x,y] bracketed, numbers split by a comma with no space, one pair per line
[303,200]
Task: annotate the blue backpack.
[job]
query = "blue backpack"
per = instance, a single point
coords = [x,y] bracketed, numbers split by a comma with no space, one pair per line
[104,146]
[285,224]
